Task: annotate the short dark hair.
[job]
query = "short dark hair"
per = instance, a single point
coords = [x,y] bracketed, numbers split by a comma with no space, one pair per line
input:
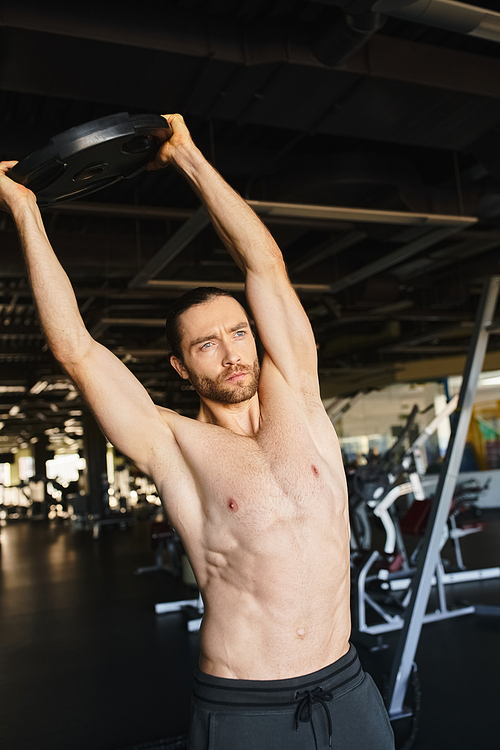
[194,297]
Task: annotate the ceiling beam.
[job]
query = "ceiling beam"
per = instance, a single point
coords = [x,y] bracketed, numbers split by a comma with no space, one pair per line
[395,258]
[426,65]
[232,286]
[140,353]
[270,212]
[138,322]
[440,367]
[429,349]
[208,36]
[201,35]
[344,382]
[420,316]
[169,213]
[267,209]
[174,245]
[329,248]
[464,329]
[448,224]
[121,211]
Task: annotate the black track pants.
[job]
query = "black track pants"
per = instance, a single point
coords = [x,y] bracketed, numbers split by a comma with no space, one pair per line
[338,707]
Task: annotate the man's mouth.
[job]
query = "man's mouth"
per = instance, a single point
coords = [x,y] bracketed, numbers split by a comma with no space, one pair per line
[236,376]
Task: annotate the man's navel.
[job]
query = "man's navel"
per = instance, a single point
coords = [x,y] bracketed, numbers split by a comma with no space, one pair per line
[315,470]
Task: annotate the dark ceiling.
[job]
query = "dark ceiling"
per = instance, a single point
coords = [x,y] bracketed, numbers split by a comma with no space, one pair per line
[369,144]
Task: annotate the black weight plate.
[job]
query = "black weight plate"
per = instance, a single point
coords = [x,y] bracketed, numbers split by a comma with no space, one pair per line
[92,156]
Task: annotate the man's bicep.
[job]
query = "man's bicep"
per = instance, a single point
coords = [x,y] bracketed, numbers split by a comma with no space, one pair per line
[282,324]
[120,403]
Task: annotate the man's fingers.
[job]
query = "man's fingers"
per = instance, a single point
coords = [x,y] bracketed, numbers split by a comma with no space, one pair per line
[158,162]
[178,127]
[161,159]
[170,118]
[6,165]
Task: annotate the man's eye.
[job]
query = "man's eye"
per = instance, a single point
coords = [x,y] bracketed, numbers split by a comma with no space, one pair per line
[207,345]
[240,333]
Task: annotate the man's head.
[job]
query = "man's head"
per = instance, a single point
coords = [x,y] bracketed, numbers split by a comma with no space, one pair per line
[213,346]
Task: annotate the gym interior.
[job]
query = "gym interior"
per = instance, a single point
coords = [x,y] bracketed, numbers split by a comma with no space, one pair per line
[365,134]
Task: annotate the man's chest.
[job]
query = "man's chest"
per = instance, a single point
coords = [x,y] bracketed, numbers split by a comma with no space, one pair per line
[242,477]
[233,494]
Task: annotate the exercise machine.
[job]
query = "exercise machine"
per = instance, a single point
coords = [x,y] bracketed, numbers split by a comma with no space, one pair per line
[403,666]
[384,580]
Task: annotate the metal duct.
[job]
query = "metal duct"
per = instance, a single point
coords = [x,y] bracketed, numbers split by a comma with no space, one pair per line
[347,177]
[445,14]
[199,35]
[335,43]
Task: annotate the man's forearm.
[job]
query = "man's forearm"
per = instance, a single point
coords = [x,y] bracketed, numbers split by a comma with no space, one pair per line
[52,290]
[249,242]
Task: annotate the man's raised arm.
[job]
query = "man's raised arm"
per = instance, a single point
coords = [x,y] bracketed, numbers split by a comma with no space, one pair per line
[120,403]
[283,326]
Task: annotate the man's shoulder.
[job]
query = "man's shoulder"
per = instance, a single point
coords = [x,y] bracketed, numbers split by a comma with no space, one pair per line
[172,418]
[178,423]
[302,384]
[276,391]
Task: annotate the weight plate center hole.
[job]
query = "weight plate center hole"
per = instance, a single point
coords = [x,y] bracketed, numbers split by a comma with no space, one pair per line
[141,144]
[90,171]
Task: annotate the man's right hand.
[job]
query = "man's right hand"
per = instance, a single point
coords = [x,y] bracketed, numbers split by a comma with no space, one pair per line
[11,193]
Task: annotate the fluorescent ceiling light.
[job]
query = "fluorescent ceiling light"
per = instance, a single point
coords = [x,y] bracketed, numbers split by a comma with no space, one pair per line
[39,387]
[370,215]
[490,381]
[485,378]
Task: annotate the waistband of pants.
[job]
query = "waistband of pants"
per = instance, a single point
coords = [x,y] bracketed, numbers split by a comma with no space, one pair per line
[338,677]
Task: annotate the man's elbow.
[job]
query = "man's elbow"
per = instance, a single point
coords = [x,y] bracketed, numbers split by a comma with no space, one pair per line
[72,350]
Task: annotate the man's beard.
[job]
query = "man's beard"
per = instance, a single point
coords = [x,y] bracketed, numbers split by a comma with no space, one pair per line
[221,392]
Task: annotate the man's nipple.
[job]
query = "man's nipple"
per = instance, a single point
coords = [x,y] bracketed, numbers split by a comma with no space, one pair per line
[233,505]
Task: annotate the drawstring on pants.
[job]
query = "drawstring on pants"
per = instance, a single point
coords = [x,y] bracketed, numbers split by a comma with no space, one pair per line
[304,710]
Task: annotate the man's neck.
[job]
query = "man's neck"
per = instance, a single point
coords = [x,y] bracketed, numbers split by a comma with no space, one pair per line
[242,418]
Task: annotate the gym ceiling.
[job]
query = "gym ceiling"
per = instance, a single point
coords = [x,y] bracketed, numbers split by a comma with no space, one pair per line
[366,134]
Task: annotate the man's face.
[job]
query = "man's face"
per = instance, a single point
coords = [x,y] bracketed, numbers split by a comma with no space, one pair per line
[220,357]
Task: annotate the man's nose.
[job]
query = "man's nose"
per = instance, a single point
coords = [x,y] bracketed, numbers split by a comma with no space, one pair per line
[231,355]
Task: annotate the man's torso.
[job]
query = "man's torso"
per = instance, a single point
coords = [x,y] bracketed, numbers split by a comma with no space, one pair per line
[264,521]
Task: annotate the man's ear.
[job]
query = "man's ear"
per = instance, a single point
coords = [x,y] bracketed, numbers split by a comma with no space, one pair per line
[179,367]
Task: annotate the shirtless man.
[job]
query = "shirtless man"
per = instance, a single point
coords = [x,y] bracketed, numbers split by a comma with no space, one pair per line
[254,486]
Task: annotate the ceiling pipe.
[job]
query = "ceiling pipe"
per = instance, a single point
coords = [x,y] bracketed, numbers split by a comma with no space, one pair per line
[160,213]
[355,24]
[179,285]
[203,35]
[445,14]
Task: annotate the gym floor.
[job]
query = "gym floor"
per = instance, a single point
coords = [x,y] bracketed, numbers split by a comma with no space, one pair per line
[86,664]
